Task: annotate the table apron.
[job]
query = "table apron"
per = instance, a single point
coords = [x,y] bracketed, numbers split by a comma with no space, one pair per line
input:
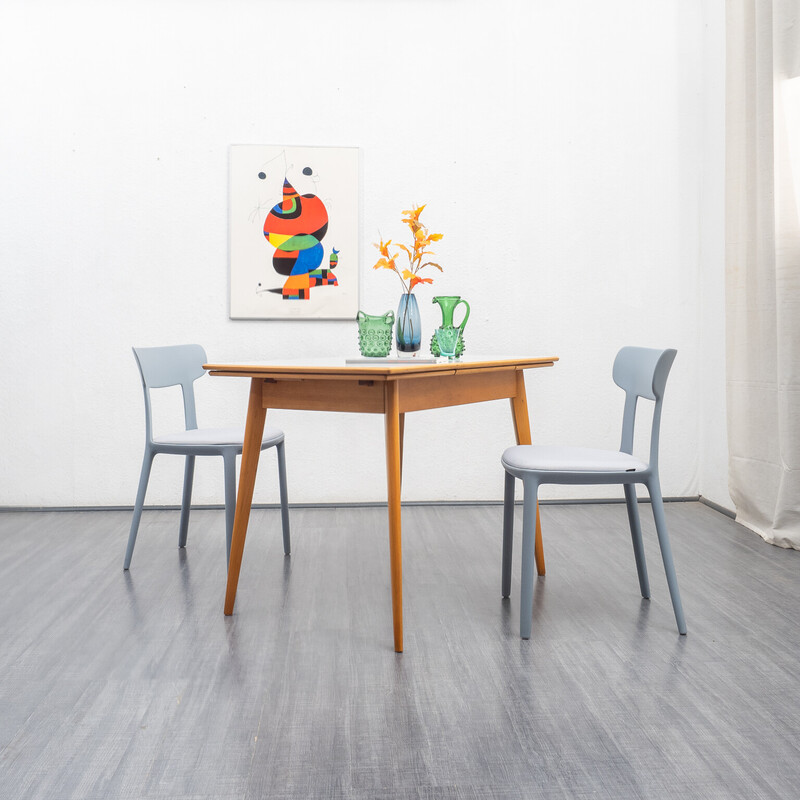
[363,396]
[368,396]
[457,389]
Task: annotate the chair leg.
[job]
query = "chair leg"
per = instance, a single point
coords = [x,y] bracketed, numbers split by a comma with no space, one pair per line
[229,460]
[528,557]
[144,476]
[508,533]
[666,552]
[186,501]
[636,538]
[287,541]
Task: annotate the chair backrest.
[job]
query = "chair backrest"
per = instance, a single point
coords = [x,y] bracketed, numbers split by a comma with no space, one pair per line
[177,365]
[642,372]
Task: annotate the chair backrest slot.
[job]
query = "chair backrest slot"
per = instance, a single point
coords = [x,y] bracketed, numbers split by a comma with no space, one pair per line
[642,372]
[177,365]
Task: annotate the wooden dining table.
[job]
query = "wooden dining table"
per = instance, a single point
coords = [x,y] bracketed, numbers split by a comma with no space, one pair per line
[392,387]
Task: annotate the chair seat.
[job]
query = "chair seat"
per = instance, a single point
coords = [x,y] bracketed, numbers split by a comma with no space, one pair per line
[217,436]
[570,459]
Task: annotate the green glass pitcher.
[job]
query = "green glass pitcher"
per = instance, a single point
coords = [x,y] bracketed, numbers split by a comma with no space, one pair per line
[448,304]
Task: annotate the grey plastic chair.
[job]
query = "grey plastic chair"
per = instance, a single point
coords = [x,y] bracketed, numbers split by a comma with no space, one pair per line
[183,365]
[641,373]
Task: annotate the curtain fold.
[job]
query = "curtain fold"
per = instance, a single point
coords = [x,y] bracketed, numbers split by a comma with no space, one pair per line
[763,265]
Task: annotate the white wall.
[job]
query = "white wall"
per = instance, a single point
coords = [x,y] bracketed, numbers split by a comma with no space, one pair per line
[713,430]
[559,147]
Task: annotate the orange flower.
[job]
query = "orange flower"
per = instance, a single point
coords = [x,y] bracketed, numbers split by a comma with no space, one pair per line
[413,214]
[422,239]
[387,260]
[415,279]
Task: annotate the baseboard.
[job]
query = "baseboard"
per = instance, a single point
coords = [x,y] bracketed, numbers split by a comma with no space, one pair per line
[717,507]
[219,506]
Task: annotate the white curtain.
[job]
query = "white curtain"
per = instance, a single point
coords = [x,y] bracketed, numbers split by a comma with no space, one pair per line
[763,265]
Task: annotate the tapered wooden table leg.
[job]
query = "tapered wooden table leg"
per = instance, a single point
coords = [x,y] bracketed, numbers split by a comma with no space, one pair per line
[522,431]
[393,478]
[254,430]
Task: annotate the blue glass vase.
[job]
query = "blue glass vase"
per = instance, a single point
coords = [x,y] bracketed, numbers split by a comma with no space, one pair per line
[408,331]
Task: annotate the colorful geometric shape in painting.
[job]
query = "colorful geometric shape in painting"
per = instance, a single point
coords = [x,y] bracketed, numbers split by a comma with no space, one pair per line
[295,227]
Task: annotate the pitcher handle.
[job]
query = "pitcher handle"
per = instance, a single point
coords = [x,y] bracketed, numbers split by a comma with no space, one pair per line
[361,316]
[466,315]
[388,317]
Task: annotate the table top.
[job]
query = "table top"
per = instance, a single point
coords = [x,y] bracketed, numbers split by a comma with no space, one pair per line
[380,368]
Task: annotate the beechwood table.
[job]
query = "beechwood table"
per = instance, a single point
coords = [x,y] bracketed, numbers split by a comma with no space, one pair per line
[390,387]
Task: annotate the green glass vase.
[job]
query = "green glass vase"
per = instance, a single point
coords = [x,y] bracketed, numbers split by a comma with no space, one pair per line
[375,334]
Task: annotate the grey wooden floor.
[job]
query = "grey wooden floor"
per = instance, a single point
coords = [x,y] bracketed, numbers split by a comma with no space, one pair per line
[134,685]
